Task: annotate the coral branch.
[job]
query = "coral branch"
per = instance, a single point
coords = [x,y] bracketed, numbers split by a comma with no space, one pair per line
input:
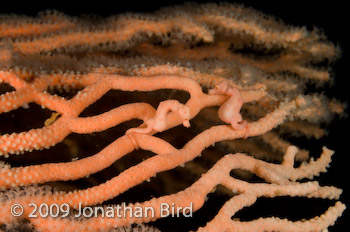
[238,76]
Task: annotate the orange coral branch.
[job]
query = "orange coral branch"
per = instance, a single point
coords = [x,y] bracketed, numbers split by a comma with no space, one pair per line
[197,49]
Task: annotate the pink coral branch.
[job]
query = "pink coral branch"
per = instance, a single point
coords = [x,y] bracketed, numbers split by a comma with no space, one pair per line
[137,53]
[219,174]
[68,171]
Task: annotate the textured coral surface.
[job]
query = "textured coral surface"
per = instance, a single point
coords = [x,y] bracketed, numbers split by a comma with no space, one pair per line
[216,106]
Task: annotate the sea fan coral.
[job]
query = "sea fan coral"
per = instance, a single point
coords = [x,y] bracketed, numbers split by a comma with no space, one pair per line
[105,101]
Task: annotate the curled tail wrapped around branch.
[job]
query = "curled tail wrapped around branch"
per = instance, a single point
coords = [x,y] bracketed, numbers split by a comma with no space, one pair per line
[229,112]
[158,123]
